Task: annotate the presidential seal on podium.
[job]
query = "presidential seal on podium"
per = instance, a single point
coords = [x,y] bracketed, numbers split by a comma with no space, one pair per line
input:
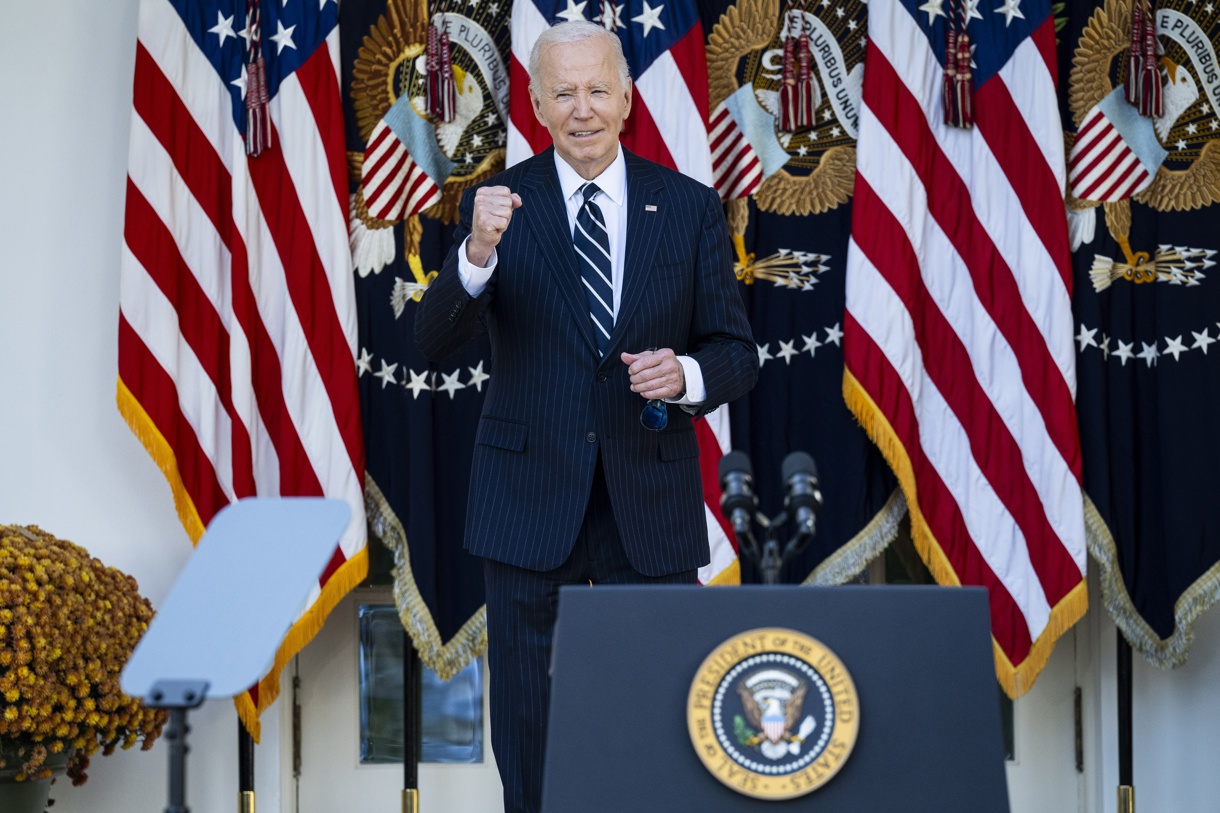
[773,713]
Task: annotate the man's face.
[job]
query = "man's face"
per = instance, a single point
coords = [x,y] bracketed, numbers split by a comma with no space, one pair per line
[582,103]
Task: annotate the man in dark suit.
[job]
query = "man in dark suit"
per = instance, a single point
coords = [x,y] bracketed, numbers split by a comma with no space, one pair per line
[606,284]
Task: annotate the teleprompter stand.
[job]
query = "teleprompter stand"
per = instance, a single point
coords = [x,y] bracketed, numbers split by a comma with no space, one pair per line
[921,659]
[177,696]
[218,630]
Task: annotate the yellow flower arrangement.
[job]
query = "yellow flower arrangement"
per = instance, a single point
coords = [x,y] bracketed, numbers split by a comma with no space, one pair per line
[68,624]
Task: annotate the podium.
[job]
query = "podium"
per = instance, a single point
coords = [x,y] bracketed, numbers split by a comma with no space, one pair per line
[625,659]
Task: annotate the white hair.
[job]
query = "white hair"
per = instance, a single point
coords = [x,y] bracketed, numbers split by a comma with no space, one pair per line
[576,31]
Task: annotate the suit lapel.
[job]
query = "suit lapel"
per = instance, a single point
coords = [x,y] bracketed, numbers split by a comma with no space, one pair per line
[547,216]
[645,217]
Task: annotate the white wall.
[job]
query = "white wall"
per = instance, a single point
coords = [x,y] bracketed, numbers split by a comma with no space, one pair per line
[1176,725]
[1042,774]
[69,464]
[67,460]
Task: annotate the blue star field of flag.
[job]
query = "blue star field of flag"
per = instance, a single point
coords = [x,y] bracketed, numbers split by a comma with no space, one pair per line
[647,30]
[996,28]
[291,31]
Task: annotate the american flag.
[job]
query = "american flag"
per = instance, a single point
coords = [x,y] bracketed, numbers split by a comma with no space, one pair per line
[237,316]
[668,124]
[958,335]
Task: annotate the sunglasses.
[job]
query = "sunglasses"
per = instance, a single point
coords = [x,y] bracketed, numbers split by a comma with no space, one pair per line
[655,415]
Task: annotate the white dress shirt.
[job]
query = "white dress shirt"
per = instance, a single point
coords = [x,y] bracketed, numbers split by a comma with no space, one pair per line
[612,200]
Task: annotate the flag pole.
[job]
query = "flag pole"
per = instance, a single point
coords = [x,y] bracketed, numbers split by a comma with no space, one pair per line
[245,770]
[1126,786]
[410,725]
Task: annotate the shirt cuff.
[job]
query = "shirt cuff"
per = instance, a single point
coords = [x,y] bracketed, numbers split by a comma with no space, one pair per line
[696,393]
[474,279]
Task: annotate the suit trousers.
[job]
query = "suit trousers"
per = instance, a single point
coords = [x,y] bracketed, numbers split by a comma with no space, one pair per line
[521,608]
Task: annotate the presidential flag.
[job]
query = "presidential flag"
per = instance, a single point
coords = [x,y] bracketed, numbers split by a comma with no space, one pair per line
[1147,314]
[790,237]
[237,321]
[796,312]
[419,418]
[958,343]
[664,47]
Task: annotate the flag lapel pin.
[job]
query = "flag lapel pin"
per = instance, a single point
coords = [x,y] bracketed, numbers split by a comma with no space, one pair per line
[649,207]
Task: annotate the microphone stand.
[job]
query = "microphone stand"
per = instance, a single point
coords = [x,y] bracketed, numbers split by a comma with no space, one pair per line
[739,500]
[771,558]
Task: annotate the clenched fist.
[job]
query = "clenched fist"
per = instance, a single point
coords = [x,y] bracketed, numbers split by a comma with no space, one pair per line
[493,209]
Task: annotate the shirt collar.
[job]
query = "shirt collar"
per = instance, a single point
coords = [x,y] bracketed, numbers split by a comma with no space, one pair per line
[612,182]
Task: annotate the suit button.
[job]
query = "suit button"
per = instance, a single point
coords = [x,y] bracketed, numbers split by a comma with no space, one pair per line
[601,378]
[591,437]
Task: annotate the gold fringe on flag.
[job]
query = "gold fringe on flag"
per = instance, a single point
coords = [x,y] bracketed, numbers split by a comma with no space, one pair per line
[159,450]
[730,576]
[854,555]
[1016,680]
[341,582]
[446,659]
[1166,653]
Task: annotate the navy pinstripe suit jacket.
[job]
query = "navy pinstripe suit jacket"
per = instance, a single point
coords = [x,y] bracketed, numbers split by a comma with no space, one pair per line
[552,402]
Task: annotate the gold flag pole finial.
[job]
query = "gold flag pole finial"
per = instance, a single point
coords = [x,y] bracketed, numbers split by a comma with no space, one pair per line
[410,800]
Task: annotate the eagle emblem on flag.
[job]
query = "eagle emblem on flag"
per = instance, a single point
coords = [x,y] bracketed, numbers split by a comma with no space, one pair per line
[1169,161]
[799,166]
[416,161]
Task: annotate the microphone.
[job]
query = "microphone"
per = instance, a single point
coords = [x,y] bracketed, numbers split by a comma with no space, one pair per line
[802,499]
[738,500]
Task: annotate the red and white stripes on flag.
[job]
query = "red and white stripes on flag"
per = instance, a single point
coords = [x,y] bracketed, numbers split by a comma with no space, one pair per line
[395,186]
[958,340]
[736,169]
[712,432]
[1115,154]
[1103,167]
[237,319]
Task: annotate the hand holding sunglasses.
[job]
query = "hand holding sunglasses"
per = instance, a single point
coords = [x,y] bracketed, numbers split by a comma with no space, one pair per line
[656,375]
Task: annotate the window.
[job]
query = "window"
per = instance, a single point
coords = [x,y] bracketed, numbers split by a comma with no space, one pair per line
[452,720]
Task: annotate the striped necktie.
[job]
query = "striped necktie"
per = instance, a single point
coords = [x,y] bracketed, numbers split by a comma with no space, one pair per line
[592,243]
